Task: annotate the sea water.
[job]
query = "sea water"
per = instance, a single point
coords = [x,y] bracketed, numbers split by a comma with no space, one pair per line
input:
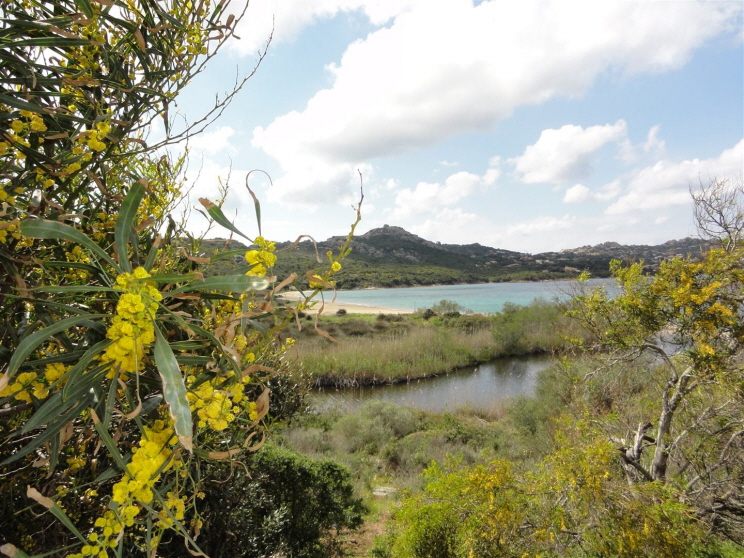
[480,298]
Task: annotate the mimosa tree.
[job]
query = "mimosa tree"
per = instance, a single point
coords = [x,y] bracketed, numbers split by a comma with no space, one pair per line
[122,367]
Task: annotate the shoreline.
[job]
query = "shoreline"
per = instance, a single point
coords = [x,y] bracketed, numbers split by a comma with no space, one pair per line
[328,308]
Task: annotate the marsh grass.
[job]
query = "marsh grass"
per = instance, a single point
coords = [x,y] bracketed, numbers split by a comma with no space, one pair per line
[398,350]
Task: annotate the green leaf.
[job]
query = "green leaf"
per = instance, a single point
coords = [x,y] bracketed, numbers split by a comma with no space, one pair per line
[171,277]
[85,7]
[256,204]
[74,289]
[226,283]
[174,390]
[30,343]
[58,403]
[51,430]
[216,213]
[108,441]
[20,104]
[57,512]
[70,389]
[42,228]
[125,221]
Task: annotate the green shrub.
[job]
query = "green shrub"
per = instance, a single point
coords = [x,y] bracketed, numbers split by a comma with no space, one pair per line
[284,503]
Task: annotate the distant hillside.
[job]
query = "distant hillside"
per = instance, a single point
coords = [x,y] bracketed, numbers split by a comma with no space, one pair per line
[393,257]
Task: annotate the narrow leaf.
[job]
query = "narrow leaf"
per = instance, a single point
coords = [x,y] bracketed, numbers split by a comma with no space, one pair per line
[30,343]
[256,204]
[20,104]
[108,441]
[125,221]
[216,213]
[226,283]
[85,7]
[12,551]
[174,390]
[41,228]
[52,506]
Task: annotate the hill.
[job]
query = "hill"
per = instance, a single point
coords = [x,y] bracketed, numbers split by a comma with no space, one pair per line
[393,257]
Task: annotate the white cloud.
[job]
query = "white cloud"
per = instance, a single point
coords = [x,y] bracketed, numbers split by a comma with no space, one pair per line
[580,193]
[460,226]
[286,18]
[654,144]
[448,163]
[576,194]
[566,153]
[442,68]
[427,197]
[214,141]
[540,225]
[667,183]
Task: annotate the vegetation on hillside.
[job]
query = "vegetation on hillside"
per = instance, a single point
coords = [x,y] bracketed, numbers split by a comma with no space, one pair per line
[392,257]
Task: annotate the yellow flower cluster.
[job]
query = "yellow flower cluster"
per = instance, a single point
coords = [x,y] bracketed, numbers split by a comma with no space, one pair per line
[77,255]
[217,407]
[29,386]
[150,459]
[262,259]
[132,329]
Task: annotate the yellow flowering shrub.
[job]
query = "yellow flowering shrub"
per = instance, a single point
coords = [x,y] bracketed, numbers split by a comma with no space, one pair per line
[122,367]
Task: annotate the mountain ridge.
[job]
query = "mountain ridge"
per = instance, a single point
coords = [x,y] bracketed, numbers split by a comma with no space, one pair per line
[390,256]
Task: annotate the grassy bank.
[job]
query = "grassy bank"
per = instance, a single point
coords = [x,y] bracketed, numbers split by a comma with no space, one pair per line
[391,348]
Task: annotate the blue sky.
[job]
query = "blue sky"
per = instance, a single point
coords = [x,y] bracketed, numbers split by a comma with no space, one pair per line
[530,126]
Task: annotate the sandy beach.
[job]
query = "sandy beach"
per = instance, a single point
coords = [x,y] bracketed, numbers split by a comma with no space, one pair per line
[329,308]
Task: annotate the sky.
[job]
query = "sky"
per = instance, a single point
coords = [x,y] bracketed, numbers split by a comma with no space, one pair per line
[525,125]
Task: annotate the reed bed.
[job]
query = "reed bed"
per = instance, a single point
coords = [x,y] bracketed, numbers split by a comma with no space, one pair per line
[423,349]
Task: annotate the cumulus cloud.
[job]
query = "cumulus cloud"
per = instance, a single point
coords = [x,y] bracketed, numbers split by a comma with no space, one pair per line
[466,226]
[213,142]
[580,193]
[566,153]
[284,19]
[391,93]
[427,197]
[667,183]
[576,194]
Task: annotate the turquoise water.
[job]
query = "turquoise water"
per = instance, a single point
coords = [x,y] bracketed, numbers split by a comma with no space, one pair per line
[480,298]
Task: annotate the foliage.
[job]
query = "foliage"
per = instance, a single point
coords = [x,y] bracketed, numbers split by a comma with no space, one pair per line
[638,446]
[287,504]
[413,347]
[444,307]
[123,370]
[690,318]
[574,502]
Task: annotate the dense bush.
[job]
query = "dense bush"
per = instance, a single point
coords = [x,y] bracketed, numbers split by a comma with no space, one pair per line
[282,504]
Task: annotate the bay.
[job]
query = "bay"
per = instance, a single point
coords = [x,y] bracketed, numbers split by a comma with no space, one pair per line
[482,298]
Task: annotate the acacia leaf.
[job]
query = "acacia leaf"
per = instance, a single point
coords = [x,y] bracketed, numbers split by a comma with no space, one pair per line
[216,213]
[174,390]
[42,228]
[125,221]
[29,344]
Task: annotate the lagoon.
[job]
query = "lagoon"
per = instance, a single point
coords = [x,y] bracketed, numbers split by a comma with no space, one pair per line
[482,298]
[484,388]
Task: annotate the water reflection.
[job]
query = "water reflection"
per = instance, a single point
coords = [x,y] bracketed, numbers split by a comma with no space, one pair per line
[482,388]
